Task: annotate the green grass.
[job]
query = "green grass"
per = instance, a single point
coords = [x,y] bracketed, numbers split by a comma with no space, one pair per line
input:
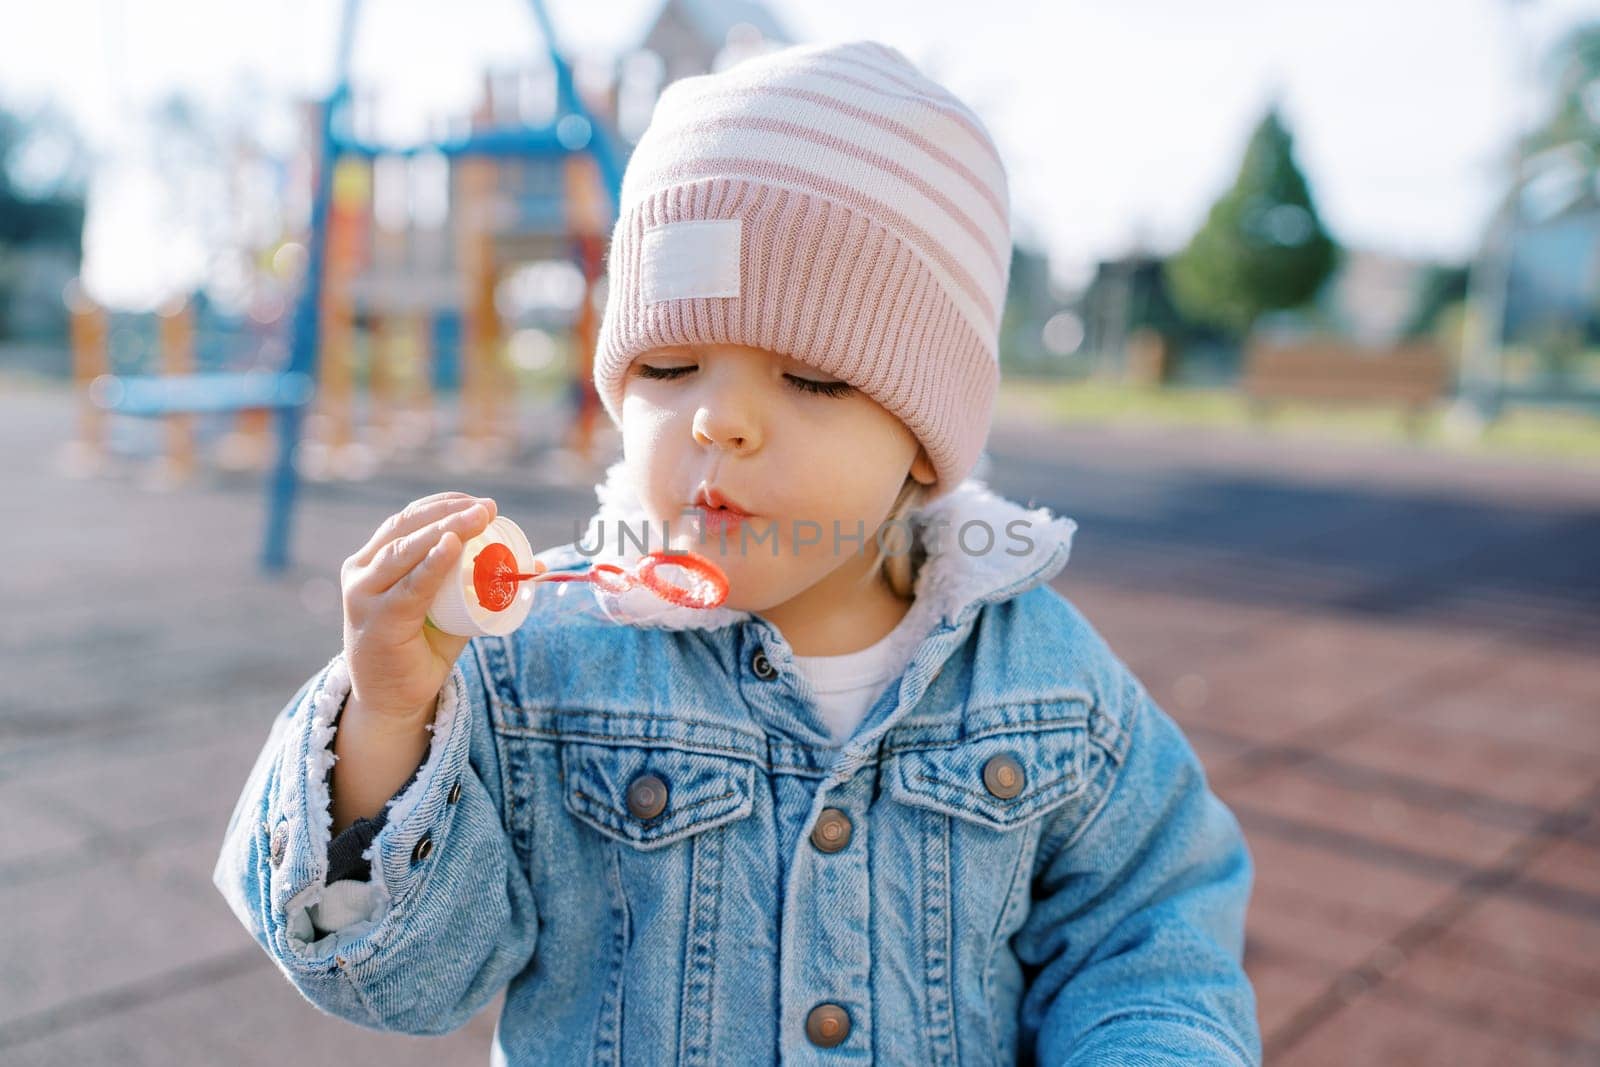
[1520,431]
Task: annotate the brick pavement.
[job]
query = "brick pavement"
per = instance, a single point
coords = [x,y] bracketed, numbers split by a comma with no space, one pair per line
[1384,659]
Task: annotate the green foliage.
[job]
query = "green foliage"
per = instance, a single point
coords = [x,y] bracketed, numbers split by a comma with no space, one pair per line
[1262,247]
[47,211]
[1442,287]
[1572,72]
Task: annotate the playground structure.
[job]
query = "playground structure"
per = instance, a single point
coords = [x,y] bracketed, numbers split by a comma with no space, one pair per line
[425,294]
[123,363]
[412,300]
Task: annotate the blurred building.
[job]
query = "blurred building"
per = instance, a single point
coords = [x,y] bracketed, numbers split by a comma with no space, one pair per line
[1031,302]
[1554,287]
[1126,294]
[1372,296]
[699,36]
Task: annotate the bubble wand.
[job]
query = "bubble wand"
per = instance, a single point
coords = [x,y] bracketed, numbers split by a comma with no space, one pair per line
[708,586]
[492,591]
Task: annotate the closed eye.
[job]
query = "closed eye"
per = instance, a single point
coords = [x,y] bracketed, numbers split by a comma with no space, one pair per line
[805,385]
[666,373]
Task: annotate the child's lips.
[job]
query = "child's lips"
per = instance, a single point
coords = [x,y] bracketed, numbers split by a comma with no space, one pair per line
[712,498]
[719,519]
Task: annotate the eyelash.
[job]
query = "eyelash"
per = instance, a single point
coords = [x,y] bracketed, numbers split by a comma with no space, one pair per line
[805,385]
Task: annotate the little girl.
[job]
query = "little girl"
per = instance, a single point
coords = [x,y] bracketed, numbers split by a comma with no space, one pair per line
[894,799]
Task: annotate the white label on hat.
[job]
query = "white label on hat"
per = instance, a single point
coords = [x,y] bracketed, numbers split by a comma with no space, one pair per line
[681,260]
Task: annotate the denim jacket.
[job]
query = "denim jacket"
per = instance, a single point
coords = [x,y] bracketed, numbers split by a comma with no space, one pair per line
[645,835]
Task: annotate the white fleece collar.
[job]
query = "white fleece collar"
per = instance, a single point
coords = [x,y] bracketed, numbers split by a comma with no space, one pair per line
[958,570]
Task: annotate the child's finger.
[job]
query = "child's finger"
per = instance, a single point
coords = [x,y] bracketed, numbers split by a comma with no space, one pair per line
[398,558]
[420,584]
[413,517]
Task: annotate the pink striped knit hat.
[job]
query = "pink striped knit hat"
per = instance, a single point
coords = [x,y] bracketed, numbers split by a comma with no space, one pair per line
[828,203]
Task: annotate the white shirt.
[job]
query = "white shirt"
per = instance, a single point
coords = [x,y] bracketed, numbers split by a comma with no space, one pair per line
[847,685]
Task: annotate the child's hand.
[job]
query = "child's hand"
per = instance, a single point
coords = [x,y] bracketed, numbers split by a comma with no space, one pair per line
[397,662]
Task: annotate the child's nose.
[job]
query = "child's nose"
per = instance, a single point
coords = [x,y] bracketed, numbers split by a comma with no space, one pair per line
[726,427]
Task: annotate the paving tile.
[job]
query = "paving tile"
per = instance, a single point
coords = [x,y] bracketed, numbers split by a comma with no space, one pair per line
[1337,880]
[1538,939]
[1538,776]
[1543,696]
[1400,831]
[36,831]
[252,1018]
[1576,977]
[1375,1031]
[157,777]
[1570,865]
[1338,936]
[104,925]
[1159,623]
[1310,671]
[1449,978]
[1284,985]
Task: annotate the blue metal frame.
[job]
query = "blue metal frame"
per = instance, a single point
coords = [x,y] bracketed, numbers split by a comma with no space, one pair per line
[283,482]
[200,393]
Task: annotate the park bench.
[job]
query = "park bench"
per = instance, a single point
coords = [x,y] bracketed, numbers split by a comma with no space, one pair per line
[1412,376]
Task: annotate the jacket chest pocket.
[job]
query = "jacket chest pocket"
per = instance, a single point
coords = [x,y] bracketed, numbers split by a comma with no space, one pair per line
[975,806]
[1000,781]
[667,847]
[652,797]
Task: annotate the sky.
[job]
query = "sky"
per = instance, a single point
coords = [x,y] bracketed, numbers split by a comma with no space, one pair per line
[1120,121]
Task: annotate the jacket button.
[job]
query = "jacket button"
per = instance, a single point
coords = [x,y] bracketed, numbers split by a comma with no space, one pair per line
[647,796]
[423,849]
[832,831]
[827,1025]
[455,793]
[763,666]
[1003,776]
[280,842]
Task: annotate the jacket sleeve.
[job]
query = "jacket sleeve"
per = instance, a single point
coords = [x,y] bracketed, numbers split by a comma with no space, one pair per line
[347,858]
[347,896]
[1135,941]
[447,918]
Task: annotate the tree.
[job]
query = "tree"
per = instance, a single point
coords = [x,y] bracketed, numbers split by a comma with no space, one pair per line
[41,204]
[1262,247]
[1443,286]
[1572,74]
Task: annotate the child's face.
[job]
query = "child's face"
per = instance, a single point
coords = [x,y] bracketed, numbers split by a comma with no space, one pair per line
[740,420]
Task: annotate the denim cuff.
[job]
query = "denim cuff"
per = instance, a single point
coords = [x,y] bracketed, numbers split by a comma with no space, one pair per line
[299,815]
[345,859]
